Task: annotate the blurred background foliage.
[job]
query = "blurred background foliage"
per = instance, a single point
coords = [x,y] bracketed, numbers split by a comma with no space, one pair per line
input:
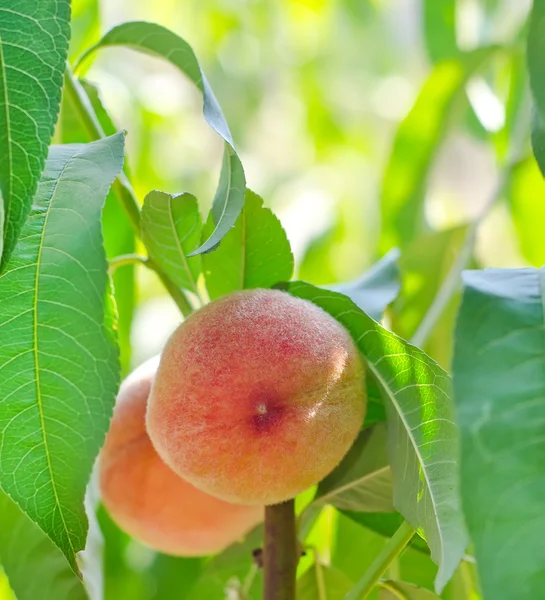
[364,124]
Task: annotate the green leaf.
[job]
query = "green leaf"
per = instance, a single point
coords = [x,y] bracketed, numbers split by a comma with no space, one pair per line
[321,582]
[416,143]
[33,50]
[375,289]
[536,70]
[385,524]
[34,565]
[440,28]
[363,480]
[400,590]
[499,382]
[158,41]
[255,254]
[423,438]
[171,228]
[526,196]
[119,237]
[58,359]
[424,265]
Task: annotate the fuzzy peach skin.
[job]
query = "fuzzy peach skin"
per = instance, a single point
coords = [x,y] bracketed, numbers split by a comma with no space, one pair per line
[258,396]
[147,499]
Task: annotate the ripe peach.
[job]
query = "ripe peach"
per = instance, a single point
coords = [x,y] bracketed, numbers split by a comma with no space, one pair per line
[147,499]
[258,396]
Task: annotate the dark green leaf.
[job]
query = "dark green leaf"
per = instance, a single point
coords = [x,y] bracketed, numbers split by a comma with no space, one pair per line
[499,381]
[423,438]
[58,358]
[321,582]
[33,50]
[363,480]
[255,254]
[171,228]
[34,565]
[440,28]
[416,143]
[400,590]
[376,288]
[159,41]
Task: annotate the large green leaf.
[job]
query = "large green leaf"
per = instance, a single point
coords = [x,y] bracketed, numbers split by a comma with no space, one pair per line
[321,582]
[376,288]
[33,49]
[536,71]
[416,143]
[499,382]
[363,480]
[34,565]
[119,236]
[423,438]
[58,357]
[256,253]
[159,41]
[171,228]
[440,28]
[400,590]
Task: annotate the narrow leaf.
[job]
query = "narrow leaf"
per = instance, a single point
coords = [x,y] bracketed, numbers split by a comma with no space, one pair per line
[396,590]
[377,288]
[423,438]
[34,565]
[416,143]
[536,71]
[33,50]
[363,480]
[440,28]
[58,358]
[171,228]
[158,41]
[256,253]
[526,196]
[499,382]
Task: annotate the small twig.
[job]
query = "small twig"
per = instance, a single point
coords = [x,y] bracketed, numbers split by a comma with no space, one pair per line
[390,552]
[280,553]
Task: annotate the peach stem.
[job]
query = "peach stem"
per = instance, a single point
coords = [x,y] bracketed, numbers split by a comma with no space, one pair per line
[280,556]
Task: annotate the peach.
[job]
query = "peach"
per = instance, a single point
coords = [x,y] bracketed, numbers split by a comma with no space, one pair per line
[258,396]
[151,502]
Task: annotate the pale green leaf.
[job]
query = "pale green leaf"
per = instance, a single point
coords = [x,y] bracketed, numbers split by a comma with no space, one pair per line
[526,196]
[158,41]
[440,28]
[499,383]
[417,140]
[171,228]
[58,358]
[536,70]
[33,50]
[363,480]
[423,438]
[34,565]
[376,288]
[255,254]
[321,582]
[400,590]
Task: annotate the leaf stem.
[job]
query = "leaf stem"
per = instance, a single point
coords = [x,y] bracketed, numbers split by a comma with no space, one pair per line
[389,553]
[121,186]
[127,259]
[280,556]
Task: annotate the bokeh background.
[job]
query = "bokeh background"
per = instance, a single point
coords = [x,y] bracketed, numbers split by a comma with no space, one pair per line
[314,92]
